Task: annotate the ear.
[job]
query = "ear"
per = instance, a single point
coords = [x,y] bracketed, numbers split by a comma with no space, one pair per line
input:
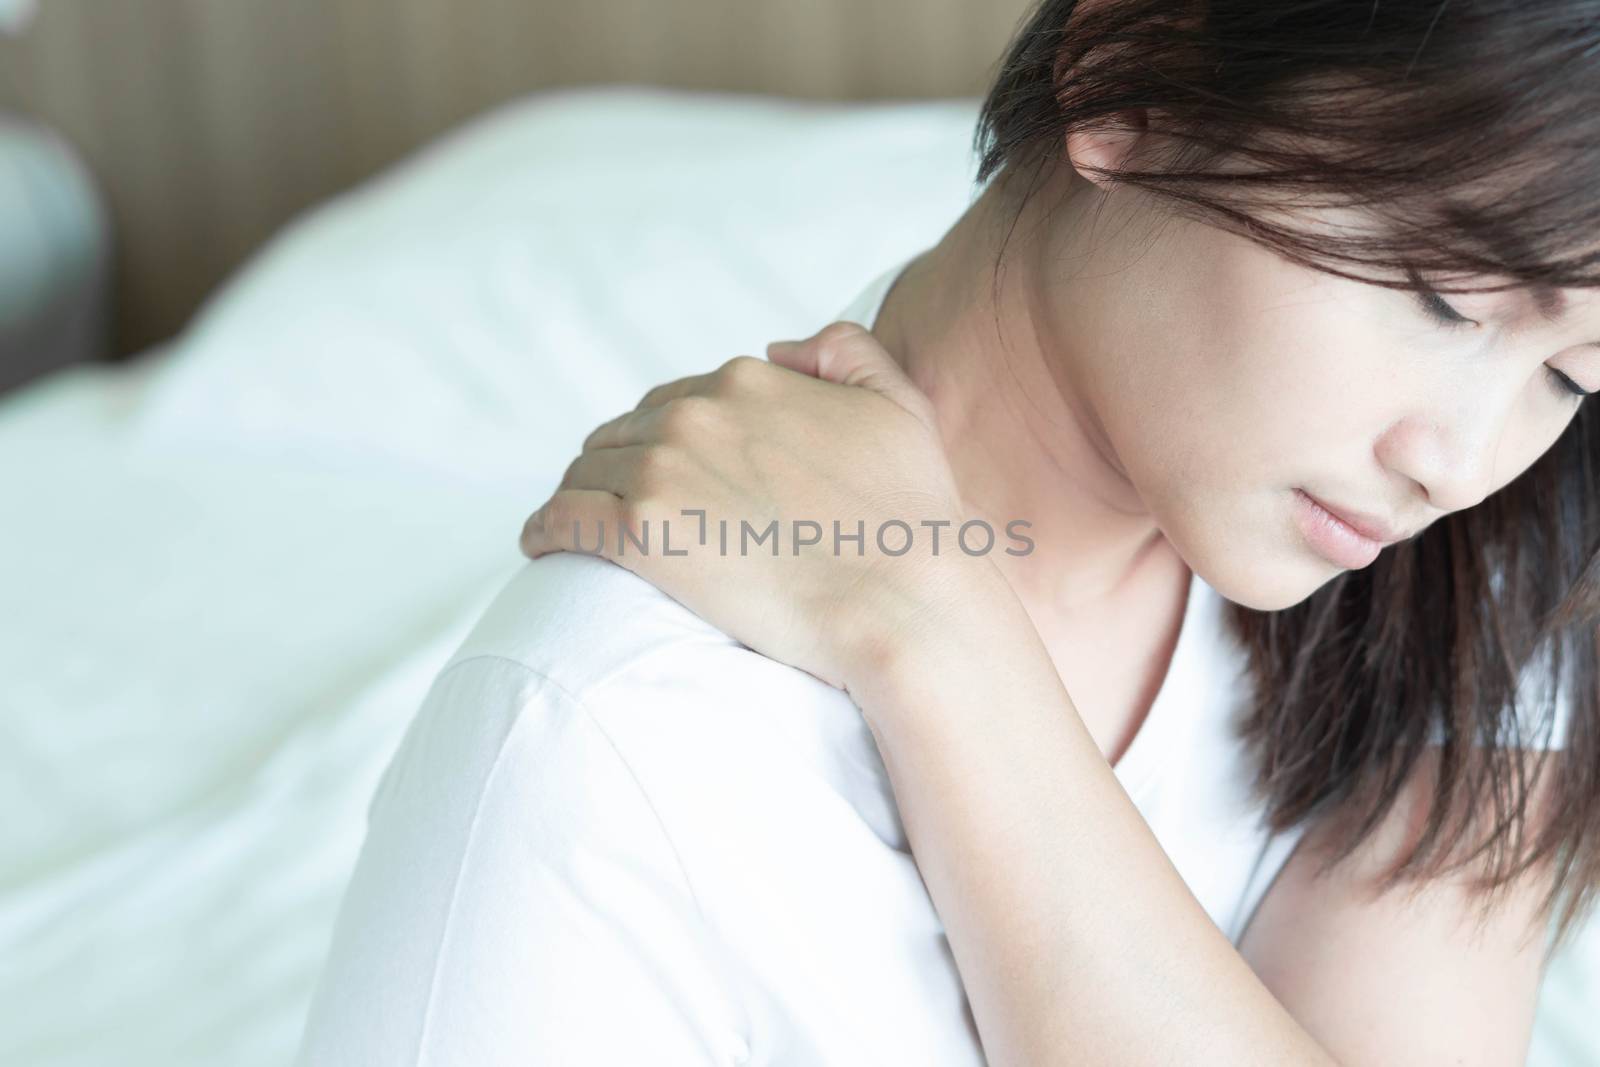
[1110,145]
[1108,148]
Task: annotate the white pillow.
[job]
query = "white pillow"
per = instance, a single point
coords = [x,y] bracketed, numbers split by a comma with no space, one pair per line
[482,306]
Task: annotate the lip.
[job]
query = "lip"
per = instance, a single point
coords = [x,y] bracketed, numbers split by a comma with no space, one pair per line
[1337,538]
[1368,526]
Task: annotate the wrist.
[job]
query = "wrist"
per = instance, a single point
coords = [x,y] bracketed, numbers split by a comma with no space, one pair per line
[947,604]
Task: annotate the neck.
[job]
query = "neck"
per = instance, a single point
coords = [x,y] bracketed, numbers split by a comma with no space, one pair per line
[1020,431]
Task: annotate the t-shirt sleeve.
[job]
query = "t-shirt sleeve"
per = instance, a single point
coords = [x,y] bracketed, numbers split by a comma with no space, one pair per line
[517,900]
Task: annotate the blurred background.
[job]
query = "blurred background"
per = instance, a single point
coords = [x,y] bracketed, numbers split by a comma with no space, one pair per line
[208,123]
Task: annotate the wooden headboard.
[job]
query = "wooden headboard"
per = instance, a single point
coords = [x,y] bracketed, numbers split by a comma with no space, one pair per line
[211,122]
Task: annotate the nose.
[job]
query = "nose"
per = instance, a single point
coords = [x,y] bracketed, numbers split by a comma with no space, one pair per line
[1449,453]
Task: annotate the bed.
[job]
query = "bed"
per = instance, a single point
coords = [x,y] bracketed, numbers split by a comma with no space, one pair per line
[232,566]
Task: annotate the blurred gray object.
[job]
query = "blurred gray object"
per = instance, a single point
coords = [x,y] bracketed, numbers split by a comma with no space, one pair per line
[16,14]
[54,256]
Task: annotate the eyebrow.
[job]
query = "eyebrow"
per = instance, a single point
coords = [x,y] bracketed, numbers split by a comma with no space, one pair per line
[1552,302]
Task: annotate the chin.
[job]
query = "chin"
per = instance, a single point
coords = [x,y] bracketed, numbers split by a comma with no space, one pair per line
[1250,552]
[1276,596]
[1270,579]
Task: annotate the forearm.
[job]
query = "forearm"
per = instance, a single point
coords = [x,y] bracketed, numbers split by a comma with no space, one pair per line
[1077,940]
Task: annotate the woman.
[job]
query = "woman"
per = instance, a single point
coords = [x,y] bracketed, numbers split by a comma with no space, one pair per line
[1256,293]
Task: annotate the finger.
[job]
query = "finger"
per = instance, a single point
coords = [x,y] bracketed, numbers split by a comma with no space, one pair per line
[574,520]
[811,355]
[834,353]
[630,428]
[613,470]
[846,353]
[796,355]
[673,419]
[693,384]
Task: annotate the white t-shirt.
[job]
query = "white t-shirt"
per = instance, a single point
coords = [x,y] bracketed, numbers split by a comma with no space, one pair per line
[614,835]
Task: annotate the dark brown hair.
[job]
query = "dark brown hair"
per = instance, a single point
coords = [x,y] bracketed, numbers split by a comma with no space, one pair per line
[1468,131]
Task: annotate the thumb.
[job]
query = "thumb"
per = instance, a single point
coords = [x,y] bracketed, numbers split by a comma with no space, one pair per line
[846,353]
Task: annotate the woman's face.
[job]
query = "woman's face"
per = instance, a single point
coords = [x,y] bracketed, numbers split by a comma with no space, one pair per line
[1228,383]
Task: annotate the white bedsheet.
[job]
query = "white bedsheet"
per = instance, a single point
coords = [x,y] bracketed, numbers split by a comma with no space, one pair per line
[229,571]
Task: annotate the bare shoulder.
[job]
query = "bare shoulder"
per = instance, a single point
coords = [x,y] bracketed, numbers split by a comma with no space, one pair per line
[1421,974]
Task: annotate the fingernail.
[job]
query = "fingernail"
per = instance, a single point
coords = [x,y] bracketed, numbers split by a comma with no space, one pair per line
[783,346]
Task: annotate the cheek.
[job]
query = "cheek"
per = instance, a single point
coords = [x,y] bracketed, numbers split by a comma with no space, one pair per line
[1253,393]
[1266,386]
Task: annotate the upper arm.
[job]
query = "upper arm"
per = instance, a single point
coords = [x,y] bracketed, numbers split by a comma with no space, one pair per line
[1418,977]
[517,900]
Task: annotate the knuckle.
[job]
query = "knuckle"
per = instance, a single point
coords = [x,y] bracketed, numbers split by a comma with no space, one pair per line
[655,463]
[652,396]
[635,513]
[742,372]
[602,432]
[687,416]
[601,530]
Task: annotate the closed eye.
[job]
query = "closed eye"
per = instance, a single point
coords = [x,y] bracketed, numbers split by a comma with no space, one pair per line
[1442,313]
[1568,385]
